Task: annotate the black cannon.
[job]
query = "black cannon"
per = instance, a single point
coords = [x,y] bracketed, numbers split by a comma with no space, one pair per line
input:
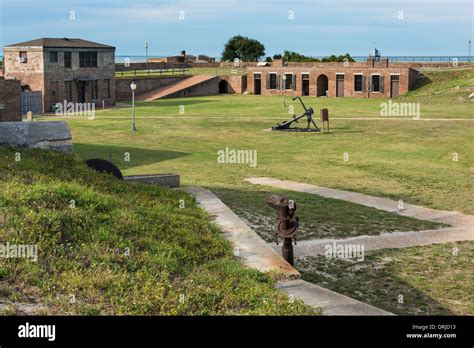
[286,225]
[308,112]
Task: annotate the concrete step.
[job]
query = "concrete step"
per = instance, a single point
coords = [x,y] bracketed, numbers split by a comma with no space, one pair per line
[163,180]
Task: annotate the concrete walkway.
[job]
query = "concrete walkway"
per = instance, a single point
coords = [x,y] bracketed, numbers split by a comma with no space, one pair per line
[463,225]
[385,240]
[330,302]
[249,247]
[255,253]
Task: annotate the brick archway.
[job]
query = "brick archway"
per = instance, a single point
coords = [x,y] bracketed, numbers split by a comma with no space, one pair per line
[223,87]
[322,85]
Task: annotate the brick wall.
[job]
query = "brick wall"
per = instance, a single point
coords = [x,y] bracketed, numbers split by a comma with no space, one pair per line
[331,70]
[56,76]
[144,84]
[30,73]
[10,100]
[39,73]
[236,84]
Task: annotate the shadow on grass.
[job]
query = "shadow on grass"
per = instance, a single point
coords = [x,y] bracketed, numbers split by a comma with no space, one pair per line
[118,154]
[169,102]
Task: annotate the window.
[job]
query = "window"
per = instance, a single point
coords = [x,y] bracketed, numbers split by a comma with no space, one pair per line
[23,57]
[375,83]
[88,59]
[288,81]
[358,83]
[68,90]
[53,57]
[395,77]
[95,89]
[107,88]
[67,60]
[272,81]
[339,77]
[305,77]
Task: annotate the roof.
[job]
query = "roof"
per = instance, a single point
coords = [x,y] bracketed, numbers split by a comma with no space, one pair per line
[61,43]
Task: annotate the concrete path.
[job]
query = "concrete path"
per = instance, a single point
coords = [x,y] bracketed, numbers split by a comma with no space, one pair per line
[385,240]
[252,250]
[330,302]
[462,225]
[255,253]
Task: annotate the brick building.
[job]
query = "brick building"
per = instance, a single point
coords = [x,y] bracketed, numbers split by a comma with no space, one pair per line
[72,70]
[369,79]
[10,100]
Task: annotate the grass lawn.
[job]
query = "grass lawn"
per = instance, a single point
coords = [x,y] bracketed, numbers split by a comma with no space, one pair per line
[433,280]
[110,247]
[188,71]
[403,159]
[396,158]
[319,217]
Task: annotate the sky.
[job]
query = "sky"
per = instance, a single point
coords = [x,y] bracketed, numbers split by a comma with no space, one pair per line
[310,27]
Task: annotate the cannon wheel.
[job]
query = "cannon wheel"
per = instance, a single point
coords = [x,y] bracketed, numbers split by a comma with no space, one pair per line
[103,166]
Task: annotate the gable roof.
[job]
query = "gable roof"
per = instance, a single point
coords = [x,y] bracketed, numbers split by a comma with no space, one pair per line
[61,43]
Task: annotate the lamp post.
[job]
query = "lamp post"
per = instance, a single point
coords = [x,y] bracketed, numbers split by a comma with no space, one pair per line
[133,87]
[146,53]
[470,40]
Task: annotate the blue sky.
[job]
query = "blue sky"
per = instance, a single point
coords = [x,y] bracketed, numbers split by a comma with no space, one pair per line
[319,27]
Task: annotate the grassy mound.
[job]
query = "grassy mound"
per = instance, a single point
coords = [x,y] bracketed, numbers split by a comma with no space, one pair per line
[443,84]
[110,247]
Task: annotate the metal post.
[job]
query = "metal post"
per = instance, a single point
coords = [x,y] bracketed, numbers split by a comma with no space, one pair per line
[287,250]
[146,53]
[133,111]
[469,59]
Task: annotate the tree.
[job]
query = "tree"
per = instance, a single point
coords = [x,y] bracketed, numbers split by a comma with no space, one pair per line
[243,48]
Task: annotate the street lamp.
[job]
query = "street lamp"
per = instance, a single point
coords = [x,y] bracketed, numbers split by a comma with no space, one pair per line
[469,49]
[133,87]
[146,53]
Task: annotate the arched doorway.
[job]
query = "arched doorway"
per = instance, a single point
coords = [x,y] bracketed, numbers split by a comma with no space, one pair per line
[322,85]
[223,86]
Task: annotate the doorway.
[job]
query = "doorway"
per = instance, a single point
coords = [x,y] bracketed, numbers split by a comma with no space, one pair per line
[322,85]
[223,87]
[257,84]
[81,91]
[339,85]
[394,85]
[305,84]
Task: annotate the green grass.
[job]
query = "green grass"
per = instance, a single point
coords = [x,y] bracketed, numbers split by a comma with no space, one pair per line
[121,249]
[433,280]
[188,71]
[320,217]
[400,159]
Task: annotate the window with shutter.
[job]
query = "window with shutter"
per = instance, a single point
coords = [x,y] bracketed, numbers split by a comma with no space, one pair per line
[294,82]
